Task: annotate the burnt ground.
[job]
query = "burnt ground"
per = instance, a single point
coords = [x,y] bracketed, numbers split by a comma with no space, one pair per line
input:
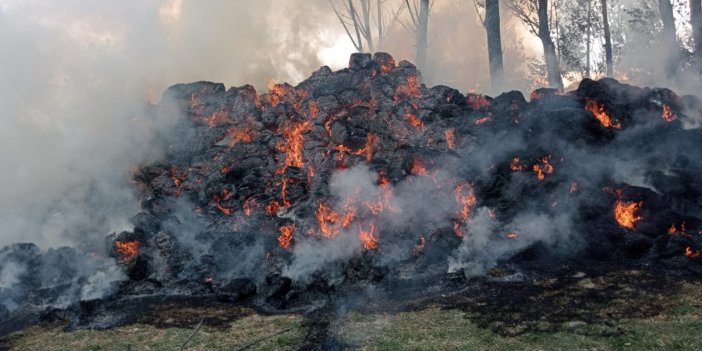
[507,302]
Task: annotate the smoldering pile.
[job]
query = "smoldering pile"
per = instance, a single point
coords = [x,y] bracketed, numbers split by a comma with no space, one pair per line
[364,175]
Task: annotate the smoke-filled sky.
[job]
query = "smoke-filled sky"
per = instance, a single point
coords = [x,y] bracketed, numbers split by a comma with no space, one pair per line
[77,75]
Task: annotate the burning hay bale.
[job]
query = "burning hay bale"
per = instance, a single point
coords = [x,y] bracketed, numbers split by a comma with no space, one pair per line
[365,175]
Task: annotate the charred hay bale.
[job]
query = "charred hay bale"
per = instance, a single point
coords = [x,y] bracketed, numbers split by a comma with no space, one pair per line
[359,61]
[385,61]
[235,290]
[145,223]
[275,289]
[127,248]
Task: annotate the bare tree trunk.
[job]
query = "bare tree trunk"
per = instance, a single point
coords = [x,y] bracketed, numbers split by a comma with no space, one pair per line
[696,22]
[554,72]
[494,39]
[379,3]
[589,32]
[366,25]
[422,29]
[669,38]
[608,40]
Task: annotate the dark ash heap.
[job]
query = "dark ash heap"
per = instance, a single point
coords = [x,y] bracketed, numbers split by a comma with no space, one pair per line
[365,177]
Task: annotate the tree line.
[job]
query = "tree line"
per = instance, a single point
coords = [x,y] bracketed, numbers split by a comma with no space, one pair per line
[579,38]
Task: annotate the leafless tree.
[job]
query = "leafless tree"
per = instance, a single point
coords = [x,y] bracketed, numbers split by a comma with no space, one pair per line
[607,39]
[366,25]
[696,23]
[669,37]
[491,23]
[419,25]
[535,15]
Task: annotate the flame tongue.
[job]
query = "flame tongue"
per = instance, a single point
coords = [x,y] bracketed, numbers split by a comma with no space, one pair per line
[627,213]
[543,168]
[127,249]
[599,111]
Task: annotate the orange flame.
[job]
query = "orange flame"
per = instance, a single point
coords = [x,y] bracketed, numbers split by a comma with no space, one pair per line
[543,169]
[465,198]
[326,218]
[128,250]
[691,253]
[668,114]
[626,213]
[674,229]
[458,229]
[286,235]
[292,145]
[599,111]
[370,242]
[176,181]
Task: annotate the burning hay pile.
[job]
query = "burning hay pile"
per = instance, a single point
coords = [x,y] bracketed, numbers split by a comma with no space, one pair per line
[365,176]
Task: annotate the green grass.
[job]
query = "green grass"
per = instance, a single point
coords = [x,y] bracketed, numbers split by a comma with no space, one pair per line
[678,328]
[145,337]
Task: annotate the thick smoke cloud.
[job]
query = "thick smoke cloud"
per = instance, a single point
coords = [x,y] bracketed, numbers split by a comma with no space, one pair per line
[77,82]
[76,78]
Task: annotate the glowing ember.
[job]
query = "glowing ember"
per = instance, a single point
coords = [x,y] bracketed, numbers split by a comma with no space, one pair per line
[176,180]
[408,89]
[544,168]
[599,111]
[314,109]
[573,187]
[286,235]
[217,118]
[478,101]
[418,167]
[535,95]
[457,228]
[674,229]
[450,135]
[668,114]
[483,120]
[370,242]
[414,120]
[366,151]
[626,213]
[249,205]
[512,235]
[236,135]
[128,250]
[691,253]
[419,248]
[515,166]
[273,207]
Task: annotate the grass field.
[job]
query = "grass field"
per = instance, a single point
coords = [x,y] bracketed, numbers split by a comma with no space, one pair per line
[677,327]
